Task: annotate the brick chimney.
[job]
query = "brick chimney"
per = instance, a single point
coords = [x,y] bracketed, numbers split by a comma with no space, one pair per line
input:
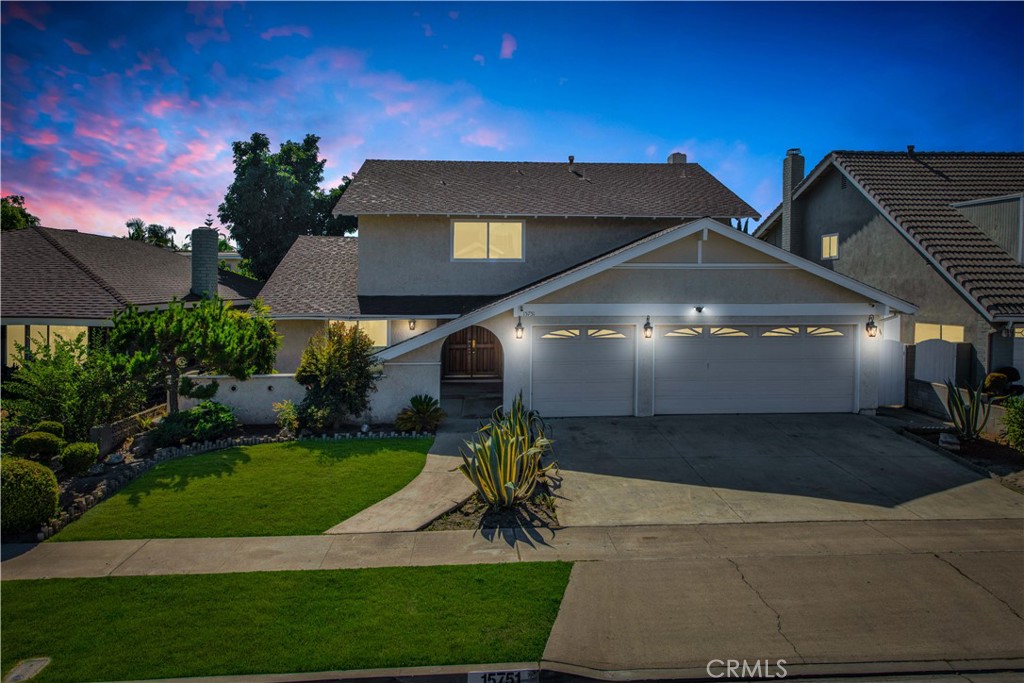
[792,174]
[676,158]
[204,262]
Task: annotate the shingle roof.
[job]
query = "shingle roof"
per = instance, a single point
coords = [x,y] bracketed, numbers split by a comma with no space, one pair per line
[497,188]
[918,192]
[318,276]
[48,273]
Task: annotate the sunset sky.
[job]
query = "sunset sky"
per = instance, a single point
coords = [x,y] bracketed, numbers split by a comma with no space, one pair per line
[113,110]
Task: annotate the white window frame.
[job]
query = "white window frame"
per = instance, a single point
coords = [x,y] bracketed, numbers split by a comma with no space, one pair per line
[833,256]
[488,221]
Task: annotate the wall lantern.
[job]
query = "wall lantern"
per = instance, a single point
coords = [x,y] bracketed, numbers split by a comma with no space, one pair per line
[699,309]
[648,328]
[871,327]
[519,328]
[412,324]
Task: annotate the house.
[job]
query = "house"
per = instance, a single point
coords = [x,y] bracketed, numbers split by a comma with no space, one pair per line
[592,289]
[944,230]
[63,283]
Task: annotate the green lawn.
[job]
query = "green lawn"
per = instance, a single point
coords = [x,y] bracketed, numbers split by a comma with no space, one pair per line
[279,489]
[127,628]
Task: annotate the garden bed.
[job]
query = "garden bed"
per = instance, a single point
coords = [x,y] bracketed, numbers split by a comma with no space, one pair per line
[540,511]
[988,453]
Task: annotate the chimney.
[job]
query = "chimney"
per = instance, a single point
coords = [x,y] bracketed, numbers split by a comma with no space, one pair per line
[572,164]
[910,150]
[676,158]
[792,174]
[204,262]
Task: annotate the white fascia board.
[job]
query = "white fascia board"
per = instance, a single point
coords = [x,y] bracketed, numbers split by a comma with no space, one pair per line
[346,316]
[616,258]
[914,243]
[688,310]
[69,322]
[989,200]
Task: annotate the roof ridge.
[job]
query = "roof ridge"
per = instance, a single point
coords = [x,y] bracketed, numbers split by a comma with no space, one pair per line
[81,265]
[918,152]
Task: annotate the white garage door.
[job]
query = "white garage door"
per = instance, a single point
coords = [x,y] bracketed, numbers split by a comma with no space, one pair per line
[583,370]
[754,369]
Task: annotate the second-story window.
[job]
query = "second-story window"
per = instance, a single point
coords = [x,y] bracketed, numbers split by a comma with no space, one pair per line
[829,247]
[487,240]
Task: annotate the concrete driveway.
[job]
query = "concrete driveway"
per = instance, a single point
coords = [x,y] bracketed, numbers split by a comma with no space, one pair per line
[760,468]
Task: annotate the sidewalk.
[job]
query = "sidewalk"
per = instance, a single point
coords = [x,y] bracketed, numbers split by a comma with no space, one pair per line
[425,548]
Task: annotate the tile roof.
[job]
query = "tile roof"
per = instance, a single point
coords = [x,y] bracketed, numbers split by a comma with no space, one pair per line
[498,188]
[49,273]
[917,192]
[318,276]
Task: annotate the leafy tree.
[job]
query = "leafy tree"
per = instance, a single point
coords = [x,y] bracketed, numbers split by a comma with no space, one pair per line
[14,214]
[275,197]
[209,336]
[79,387]
[338,370]
[153,233]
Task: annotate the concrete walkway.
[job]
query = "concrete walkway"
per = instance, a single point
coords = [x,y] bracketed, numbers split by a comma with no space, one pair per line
[684,542]
[435,491]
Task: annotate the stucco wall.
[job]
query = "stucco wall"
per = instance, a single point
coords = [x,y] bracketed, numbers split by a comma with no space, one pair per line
[999,220]
[388,265]
[253,399]
[873,251]
[295,337]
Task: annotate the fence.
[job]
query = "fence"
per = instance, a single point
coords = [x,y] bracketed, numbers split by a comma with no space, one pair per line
[937,361]
[892,373]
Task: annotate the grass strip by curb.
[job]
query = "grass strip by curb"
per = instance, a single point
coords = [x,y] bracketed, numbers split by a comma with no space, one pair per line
[126,628]
[280,489]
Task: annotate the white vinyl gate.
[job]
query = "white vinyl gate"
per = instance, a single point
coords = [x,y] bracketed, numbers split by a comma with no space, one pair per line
[892,372]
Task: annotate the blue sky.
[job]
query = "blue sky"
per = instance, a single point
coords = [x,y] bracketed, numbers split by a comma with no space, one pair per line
[112,110]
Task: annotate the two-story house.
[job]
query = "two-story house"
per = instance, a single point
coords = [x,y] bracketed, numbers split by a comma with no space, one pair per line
[944,230]
[592,289]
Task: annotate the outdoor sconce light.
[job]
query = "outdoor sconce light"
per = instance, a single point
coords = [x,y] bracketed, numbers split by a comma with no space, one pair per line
[519,328]
[699,309]
[412,324]
[648,328]
[871,327]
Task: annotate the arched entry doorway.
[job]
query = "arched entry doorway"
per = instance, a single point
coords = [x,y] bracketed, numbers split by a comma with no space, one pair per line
[472,365]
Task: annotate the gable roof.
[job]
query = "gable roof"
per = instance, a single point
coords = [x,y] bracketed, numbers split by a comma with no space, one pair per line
[916,192]
[498,188]
[62,274]
[625,253]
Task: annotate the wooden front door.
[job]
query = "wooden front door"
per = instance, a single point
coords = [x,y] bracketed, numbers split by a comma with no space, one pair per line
[472,353]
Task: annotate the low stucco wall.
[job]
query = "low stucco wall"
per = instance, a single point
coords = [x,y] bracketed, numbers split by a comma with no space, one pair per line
[930,398]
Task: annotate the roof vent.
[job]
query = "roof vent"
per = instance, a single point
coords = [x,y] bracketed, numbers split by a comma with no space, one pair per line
[910,150]
[572,164]
[676,158]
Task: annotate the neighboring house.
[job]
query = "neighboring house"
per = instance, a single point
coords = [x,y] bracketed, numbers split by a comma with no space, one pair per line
[230,260]
[592,289]
[944,230]
[62,282]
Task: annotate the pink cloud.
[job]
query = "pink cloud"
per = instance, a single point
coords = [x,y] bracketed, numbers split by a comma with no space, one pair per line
[197,160]
[508,45]
[479,59]
[150,60]
[427,30]
[96,127]
[398,108]
[77,48]
[161,106]
[16,63]
[117,43]
[485,137]
[453,15]
[85,158]
[33,17]
[286,31]
[44,137]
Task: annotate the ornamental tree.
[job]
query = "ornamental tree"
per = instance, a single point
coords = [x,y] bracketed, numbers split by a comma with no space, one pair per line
[338,371]
[14,214]
[209,336]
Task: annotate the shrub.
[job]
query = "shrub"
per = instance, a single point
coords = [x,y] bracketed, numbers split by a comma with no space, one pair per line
[969,419]
[286,416]
[50,427]
[338,371]
[504,459]
[212,420]
[38,446]
[205,422]
[1013,424]
[78,457]
[424,414]
[29,492]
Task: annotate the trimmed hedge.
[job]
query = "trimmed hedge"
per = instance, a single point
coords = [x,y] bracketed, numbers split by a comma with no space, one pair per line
[50,427]
[1014,422]
[38,446]
[205,422]
[30,494]
[78,457]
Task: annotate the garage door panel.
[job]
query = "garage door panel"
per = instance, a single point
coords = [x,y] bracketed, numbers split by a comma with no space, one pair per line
[799,373]
[617,371]
[592,372]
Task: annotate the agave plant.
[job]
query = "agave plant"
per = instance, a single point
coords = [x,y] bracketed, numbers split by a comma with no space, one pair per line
[423,414]
[969,419]
[522,422]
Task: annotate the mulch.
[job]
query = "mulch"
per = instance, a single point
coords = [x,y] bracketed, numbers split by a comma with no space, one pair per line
[992,454]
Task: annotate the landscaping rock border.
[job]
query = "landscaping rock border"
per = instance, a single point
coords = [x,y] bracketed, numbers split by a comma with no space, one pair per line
[125,472]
